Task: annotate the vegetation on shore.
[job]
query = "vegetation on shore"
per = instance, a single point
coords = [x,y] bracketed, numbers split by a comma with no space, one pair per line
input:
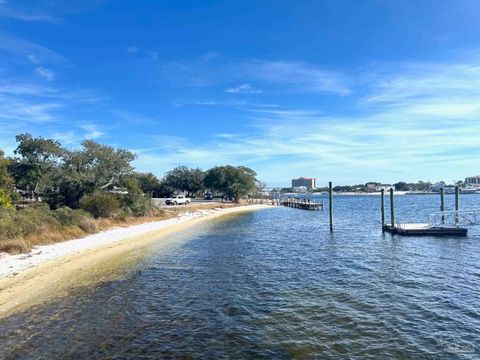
[49,193]
[37,225]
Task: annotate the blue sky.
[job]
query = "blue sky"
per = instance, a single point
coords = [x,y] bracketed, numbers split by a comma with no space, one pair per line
[349,91]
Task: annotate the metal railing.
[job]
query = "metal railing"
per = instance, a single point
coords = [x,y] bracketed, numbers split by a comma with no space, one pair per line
[455,217]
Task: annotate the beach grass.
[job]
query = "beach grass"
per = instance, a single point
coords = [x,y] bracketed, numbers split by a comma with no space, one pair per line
[22,230]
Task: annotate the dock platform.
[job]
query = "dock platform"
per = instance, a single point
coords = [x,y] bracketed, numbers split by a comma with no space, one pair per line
[425,230]
[302,204]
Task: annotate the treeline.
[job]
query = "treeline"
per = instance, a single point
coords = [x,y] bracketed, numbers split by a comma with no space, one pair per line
[47,186]
[43,170]
[399,186]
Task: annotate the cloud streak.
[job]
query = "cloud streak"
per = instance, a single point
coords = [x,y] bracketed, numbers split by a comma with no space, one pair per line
[243,89]
[46,73]
[301,77]
[30,15]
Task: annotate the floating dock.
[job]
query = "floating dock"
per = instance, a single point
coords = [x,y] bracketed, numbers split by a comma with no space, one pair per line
[439,222]
[302,204]
[425,230]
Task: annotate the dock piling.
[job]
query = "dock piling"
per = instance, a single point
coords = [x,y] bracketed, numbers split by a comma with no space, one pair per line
[330,208]
[383,209]
[442,204]
[392,209]
[457,202]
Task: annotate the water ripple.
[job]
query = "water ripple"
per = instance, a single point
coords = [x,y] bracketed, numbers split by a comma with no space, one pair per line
[274,285]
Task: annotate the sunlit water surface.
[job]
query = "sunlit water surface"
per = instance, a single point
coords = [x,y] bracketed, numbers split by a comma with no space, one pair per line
[275,284]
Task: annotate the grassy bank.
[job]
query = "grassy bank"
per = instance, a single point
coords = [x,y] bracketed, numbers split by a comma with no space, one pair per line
[21,230]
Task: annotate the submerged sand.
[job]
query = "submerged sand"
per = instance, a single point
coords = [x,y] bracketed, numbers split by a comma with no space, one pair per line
[52,270]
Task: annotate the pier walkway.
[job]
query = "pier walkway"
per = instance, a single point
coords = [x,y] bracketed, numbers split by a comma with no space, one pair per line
[303,204]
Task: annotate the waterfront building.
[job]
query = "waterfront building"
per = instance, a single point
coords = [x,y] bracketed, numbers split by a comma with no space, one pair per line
[437,186]
[473,181]
[309,183]
[374,187]
[299,189]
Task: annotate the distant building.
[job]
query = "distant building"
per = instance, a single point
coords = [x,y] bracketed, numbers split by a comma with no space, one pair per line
[309,183]
[437,186]
[299,189]
[374,186]
[473,181]
[371,186]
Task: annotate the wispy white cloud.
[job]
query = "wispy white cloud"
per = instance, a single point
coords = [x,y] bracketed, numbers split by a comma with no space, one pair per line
[46,73]
[23,88]
[299,76]
[150,54]
[30,102]
[209,56]
[442,90]
[243,89]
[66,138]
[153,55]
[209,102]
[132,49]
[27,111]
[279,76]
[14,10]
[27,49]
[91,131]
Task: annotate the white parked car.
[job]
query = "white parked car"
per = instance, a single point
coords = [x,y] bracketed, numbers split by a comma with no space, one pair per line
[178,200]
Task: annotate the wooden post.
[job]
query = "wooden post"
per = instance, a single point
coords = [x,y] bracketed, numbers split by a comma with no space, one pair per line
[442,204]
[330,197]
[457,202]
[392,209]
[383,209]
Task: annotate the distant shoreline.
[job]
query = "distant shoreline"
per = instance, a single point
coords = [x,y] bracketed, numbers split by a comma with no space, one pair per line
[374,193]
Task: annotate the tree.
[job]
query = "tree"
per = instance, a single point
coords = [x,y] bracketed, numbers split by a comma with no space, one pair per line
[134,199]
[233,182]
[7,184]
[164,190]
[35,168]
[148,182]
[189,181]
[401,186]
[95,167]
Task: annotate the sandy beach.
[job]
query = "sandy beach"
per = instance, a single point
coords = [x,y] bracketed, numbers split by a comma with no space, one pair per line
[50,270]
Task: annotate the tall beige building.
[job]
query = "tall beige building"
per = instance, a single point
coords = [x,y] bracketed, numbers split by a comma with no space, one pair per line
[309,183]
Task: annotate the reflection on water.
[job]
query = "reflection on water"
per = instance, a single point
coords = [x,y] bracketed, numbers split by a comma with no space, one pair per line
[274,284]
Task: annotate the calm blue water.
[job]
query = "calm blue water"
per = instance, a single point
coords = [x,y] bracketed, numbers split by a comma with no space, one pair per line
[275,284]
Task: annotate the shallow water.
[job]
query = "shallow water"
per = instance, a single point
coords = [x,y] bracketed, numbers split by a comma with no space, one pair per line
[275,284]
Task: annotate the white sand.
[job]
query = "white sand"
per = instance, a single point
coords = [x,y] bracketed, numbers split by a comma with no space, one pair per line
[12,265]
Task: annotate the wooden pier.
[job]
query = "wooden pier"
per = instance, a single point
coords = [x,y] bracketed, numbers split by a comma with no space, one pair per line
[303,204]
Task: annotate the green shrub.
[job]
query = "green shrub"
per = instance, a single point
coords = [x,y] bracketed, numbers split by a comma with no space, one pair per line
[17,224]
[67,216]
[100,204]
[5,199]
[33,219]
[138,204]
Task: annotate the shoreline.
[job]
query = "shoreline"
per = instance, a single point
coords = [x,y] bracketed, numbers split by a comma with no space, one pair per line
[29,279]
